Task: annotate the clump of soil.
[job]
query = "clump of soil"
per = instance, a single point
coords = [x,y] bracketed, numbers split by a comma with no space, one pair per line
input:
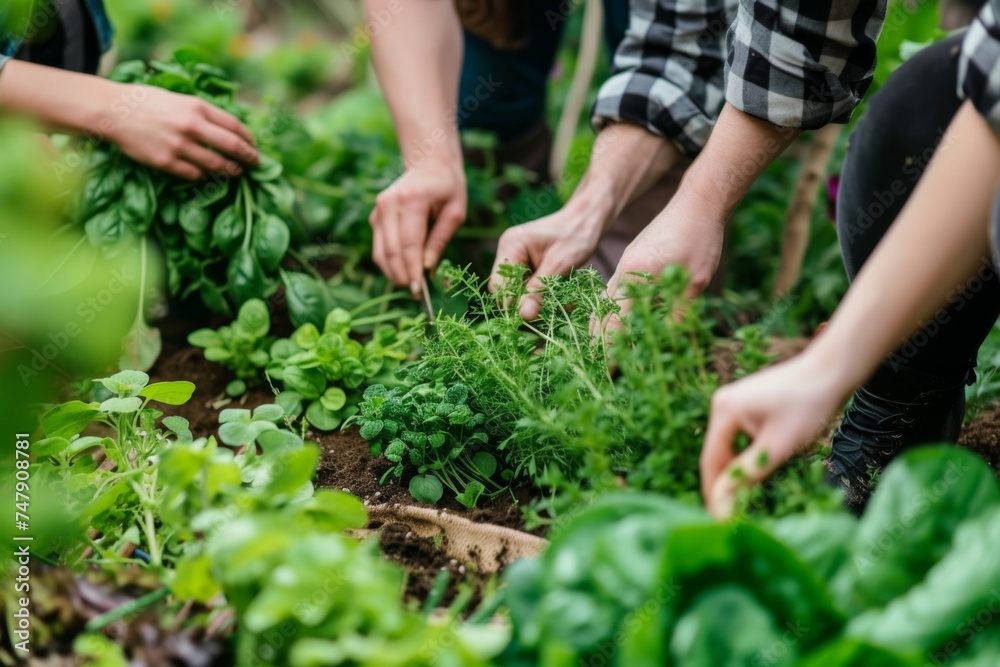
[780,349]
[424,558]
[982,435]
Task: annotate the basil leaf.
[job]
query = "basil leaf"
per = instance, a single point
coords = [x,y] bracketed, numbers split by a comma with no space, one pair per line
[321,418]
[101,190]
[306,381]
[270,240]
[306,298]
[106,228]
[138,203]
[426,489]
[194,219]
[228,230]
[268,170]
[245,278]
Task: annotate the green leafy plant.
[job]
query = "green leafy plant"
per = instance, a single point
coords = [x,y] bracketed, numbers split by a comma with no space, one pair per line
[223,238]
[430,429]
[317,368]
[283,563]
[241,347]
[121,502]
[663,584]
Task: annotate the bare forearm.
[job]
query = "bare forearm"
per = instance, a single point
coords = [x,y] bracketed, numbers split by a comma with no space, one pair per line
[625,162]
[936,246]
[41,93]
[739,150]
[417,57]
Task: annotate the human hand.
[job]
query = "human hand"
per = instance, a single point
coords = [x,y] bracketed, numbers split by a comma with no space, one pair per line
[180,134]
[553,245]
[782,409]
[402,246]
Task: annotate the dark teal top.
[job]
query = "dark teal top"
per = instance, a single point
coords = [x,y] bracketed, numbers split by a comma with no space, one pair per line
[95,17]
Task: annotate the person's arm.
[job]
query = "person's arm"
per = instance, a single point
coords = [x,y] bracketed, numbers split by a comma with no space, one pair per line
[939,242]
[417,57]
[625,162]
[791,67]
[657,107]
[179,134]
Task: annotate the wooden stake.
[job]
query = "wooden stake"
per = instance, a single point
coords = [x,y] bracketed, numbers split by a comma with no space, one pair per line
[796,236]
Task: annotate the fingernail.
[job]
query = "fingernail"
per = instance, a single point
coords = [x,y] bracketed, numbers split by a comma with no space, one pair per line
[429,261]
[415,289]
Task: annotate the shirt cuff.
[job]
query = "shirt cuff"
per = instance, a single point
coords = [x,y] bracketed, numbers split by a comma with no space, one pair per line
[978,73]
[654,103]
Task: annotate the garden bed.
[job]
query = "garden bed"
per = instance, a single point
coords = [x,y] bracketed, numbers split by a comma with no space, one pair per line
[346,464]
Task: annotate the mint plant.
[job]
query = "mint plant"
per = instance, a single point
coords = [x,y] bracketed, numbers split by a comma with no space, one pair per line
[241,347]
[430,429]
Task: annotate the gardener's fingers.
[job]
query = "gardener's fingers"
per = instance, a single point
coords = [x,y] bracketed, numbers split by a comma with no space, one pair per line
[226,120]
[378,243]
[446,223]
[531,302]
[209,161]
[412,234]
[717,451]
[512,250]
[391,227]
[183,169]
[227,143]
[765,455]
[615,292]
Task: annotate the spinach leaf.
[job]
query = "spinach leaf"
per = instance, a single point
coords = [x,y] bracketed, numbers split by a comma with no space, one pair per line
[909,524]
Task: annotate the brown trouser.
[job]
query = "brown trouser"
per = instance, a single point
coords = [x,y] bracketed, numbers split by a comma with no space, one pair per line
[532,152]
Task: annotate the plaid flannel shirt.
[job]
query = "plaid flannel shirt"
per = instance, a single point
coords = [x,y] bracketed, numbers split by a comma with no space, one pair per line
[794,63]
[979,65]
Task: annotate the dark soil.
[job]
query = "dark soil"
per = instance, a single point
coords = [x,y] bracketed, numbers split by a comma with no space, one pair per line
[424,560]
[345,464]
[982,435]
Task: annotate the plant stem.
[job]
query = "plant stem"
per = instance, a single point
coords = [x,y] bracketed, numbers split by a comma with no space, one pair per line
[375,319]
[98,623]
[149,527]
[304,262]
[248,207]
[375,301]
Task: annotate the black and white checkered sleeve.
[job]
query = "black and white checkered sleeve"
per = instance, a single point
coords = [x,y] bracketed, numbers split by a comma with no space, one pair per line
[669,70]
[979,65]
[802,63]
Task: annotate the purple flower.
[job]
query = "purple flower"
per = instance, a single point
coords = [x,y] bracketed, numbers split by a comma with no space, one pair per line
[832,187]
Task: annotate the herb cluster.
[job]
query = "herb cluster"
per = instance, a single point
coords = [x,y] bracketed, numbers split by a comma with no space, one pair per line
[318,369]
[431,429]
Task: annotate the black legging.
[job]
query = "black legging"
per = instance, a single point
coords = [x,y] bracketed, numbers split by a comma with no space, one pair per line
[895,138]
